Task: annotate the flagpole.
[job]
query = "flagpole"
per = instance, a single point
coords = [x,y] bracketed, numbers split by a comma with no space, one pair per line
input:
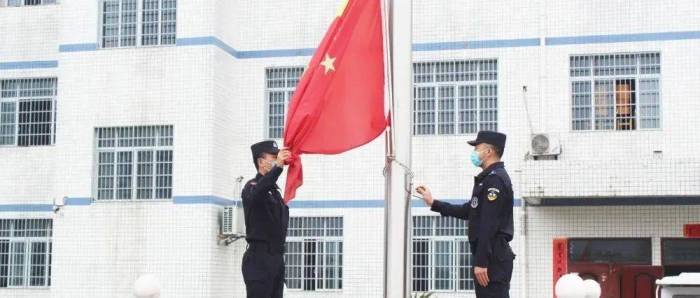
[398,175]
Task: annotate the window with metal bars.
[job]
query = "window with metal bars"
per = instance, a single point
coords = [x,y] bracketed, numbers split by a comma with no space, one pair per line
[28,112]
[17,3]
[440,255]
[130,23]
[134,163]
[452,97]
[615,91]
[455,97]
[314,253]
[280,83]
[25,253]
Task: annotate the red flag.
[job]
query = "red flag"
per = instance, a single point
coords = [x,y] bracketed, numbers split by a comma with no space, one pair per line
[339,102]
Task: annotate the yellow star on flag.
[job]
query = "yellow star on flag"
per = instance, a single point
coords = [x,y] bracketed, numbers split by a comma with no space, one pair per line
[328,64]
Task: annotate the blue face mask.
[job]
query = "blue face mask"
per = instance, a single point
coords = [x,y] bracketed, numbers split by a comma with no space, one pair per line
[476,161]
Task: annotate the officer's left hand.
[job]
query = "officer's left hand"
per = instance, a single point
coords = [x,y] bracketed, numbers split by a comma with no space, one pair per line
[427,195]
[482,276]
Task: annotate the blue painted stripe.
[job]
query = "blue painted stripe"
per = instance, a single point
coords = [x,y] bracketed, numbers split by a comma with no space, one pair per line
[476,44]
[620,201]
[505,43]
[206,40]
[419,204]
[77,47]
[212,40]
[422,47]
[203,200]
[616,38]
[196,41]
[276,53]
[26,208]
[377,203]
[439,46]
[220,201]
[322,204]
[78,202]
[28,64]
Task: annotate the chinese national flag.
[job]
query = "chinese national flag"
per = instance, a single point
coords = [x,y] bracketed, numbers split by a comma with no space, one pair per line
[339,102]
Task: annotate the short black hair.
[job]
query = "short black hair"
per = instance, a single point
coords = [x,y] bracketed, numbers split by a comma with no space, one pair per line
[497,149]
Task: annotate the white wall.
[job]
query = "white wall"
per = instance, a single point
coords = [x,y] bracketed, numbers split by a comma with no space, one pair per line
[217,107]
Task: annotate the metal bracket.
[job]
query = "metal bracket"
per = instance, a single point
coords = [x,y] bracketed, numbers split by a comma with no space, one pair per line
[228,239]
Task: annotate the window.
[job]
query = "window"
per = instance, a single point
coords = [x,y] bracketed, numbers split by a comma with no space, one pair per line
[610,250]
[314,254]
[134,163]
[28,112]
[680,255]
[279,88]
[455,97]
[615,92]
[440,255]
[25,253]
[129,23]
[26,2]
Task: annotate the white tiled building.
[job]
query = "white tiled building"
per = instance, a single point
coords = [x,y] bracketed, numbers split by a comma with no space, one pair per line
[141,113]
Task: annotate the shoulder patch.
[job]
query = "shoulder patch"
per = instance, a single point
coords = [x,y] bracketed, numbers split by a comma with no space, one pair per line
[493,194]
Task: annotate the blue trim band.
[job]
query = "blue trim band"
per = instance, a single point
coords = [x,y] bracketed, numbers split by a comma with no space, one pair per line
[26,208]
[616,38]
[505,43]
[203,200]
[77,47]
[423,47]
[78,202]
[620,201]
[439,46]
[28,64]
[376,203]
[321,204]
[276,53]
[196,41]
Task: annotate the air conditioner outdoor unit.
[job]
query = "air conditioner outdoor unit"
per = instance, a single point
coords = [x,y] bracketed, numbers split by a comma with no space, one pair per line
[544,145]
[233,221]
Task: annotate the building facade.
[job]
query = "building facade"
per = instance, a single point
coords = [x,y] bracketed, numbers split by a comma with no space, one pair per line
[140,113]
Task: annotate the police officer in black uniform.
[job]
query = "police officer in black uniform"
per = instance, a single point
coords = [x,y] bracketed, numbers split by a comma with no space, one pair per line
[490,216]
[266,220]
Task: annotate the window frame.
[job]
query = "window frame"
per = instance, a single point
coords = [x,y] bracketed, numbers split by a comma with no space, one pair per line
[139,26]
[27,253]
[6,3]
[134,164]
[319,280]
[455,242]
[288,91]
[478,84]
[591,78]
[17,100]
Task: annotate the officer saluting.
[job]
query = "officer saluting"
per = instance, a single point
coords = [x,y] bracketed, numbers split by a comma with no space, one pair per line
[266,220]
[490,215]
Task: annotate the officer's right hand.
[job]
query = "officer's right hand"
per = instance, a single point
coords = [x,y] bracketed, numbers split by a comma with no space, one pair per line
[282,157]
[427,195]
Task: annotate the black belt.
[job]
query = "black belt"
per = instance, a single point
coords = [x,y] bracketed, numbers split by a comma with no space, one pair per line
[498,235]
[266,247]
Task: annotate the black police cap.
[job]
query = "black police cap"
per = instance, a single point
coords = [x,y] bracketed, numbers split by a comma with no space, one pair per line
[258,149]
[490,137]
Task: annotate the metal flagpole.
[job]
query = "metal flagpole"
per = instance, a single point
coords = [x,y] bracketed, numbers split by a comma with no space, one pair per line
[398,16]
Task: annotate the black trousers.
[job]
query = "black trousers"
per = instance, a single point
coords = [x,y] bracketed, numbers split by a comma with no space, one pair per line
[500,270]
[263,273]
